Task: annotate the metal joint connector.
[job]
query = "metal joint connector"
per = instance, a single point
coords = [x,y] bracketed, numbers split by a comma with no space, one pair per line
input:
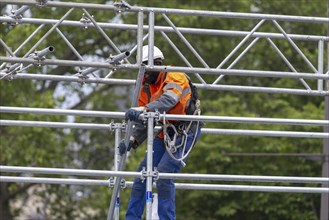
[82,79]
[113,126]
[40,55]
[41,3]
[157,115]
[111,182]
[155,174]
[145,173]
[144,116]
[85,21]
[123,184]
[118,59]
[122,6]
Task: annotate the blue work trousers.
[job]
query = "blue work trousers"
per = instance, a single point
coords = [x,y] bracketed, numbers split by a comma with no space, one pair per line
[166,187]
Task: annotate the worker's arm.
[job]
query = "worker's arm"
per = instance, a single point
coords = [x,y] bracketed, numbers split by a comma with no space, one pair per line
[172,92]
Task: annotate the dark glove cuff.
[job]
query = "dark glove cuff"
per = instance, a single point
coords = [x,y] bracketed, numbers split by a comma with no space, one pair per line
[133,145]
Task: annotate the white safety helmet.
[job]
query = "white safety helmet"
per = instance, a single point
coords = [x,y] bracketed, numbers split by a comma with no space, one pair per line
[157,53]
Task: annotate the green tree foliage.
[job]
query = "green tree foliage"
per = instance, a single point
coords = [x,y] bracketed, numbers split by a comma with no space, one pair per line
[215,154]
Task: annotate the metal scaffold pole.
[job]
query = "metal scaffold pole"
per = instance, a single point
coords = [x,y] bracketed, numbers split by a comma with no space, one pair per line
[14,66]
[122,163]
[324,210]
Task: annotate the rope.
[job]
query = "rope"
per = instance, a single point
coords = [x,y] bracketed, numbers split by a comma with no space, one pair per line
[170,144]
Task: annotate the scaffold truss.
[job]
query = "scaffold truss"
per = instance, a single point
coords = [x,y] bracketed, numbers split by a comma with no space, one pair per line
[312,80]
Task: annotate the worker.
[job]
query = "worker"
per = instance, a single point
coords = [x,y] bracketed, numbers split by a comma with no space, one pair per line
[168,92]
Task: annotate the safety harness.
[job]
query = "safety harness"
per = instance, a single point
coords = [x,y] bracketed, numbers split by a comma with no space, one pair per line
[174,130]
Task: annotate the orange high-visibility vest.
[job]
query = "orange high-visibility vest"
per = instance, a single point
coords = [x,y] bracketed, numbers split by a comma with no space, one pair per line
[174,84]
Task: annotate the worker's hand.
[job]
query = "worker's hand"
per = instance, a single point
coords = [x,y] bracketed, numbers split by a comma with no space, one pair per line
[133,113]
[122,146]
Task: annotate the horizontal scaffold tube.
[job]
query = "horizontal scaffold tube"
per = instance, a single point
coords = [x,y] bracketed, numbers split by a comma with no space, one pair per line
[186,176]
[86,113]
[129,82]
[212,32]
[218,187]
[220,14]
[268,133]
[211,71]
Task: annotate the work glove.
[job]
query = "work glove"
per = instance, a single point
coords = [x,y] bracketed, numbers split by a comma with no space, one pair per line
[133,113]
[122,146]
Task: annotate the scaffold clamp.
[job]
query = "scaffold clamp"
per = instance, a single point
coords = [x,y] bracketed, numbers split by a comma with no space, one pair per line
[85,21]
[122,6]
[113,126]
[123,184]
[145,173]
[156,174]
[40,55]
[41,3]
[111,181]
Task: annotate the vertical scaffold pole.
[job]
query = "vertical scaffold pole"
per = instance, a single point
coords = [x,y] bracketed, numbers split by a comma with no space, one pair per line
[324,210]
[149,165]
[151,39]
[122,163]
[320,63]
[117,159]
[134,103]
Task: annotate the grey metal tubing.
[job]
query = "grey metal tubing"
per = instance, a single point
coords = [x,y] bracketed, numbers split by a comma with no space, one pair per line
[178,11]
[45,124]
[320,63]
[119,57]
[267,133]
[263,89]
[25,42]
[151,39]
[237,59]
[7,109]
[132,82]
[240,44]
[6,47]
[87,71]
[69,44]
[45,51]
[287,62]
[149,165]
[48,32]
[214,32]
[243,53]
[213,71]
[86,113]
[71,79]
[180,176]
[71,172]
[180,54]
[117,159]
[140,39]
[122,163]
[252,188]
[218,187]
[295,46]
[21,10]
[101,31]
[13,67]
[187,43]
[29,38]
[69,181]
